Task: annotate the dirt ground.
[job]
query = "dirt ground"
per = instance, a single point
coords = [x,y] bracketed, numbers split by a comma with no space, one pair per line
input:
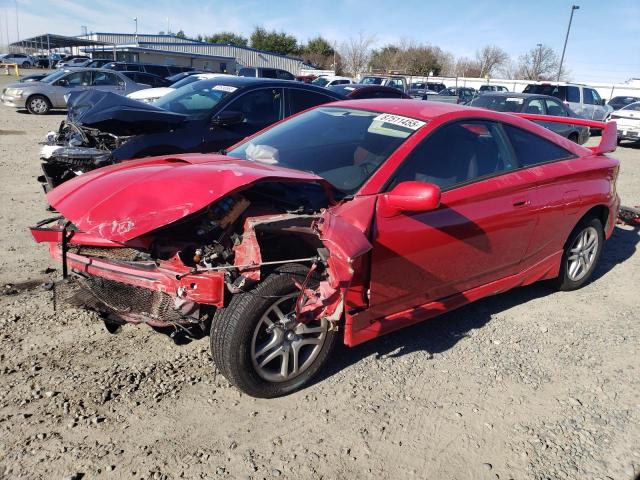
[530,384]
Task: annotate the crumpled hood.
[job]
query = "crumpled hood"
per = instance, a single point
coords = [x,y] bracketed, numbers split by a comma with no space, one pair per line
[123,201]
[118,114]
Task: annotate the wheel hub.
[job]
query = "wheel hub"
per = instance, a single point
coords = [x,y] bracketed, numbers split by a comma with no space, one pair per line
[283,348]
[582,254]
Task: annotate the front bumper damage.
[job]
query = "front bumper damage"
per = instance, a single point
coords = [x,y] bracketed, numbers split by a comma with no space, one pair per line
[112,280]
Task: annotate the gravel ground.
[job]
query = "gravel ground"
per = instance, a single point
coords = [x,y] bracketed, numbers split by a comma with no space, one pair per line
[530,384]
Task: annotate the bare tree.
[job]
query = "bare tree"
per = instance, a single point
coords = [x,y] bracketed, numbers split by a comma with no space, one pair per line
[511,70]
[465,67]
[356,53]
[490,58]
[540,63]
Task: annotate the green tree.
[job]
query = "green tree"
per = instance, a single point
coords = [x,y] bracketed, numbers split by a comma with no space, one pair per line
[273,41]
[227,38]
[319,53]
[181,34]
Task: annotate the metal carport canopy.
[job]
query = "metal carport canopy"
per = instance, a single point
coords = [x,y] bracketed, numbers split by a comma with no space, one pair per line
[52,41]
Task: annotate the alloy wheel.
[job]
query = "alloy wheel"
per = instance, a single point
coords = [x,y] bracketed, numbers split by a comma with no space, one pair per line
[582,254]
[282,348]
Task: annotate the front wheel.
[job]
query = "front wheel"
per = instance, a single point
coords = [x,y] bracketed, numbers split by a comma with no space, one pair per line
[38,105]
[581,254]
[260,347]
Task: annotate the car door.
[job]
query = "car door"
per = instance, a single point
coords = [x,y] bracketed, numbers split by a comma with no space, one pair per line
[554,108]
[259,108]
[107,82]
[592,98]
[479,233]
[557,201]
[72,82]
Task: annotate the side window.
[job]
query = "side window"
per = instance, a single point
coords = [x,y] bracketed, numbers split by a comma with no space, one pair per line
[284,75]
[102,79]
[555,108]
[300,100]
[591,97]
[396,84]
[458,153]
[269,73]
[77,79]
[573,94]
[159,70]
[530,149]
[259,107]
[247,72]
[535,106]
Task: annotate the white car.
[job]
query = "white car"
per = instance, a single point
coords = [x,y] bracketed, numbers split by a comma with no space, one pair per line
[330,80]
[20,59]
[152,94]
[628,120]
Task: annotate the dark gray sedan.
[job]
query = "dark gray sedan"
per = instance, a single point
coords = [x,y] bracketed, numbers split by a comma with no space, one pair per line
[51,92]
[537,104]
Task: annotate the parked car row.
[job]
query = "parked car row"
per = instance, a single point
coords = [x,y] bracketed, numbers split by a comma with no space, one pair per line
[347,221]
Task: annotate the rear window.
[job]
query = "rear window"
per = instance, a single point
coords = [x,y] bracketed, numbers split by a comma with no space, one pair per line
[498,103]
[247,72]
[268,73]
[530,149]
[558,91]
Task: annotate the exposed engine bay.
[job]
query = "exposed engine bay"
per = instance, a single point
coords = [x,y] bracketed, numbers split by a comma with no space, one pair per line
[74,150]
[236,239]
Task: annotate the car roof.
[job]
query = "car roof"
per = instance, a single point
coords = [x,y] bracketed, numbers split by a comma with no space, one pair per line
[517,95]
[411,108]
[244,82]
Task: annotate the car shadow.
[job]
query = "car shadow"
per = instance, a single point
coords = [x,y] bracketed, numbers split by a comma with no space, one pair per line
[51,112]
[443,332]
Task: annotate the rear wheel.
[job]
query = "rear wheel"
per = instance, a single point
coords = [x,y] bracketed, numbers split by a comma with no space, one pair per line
[26,65]
[581,254]
[260,347]
[38,104]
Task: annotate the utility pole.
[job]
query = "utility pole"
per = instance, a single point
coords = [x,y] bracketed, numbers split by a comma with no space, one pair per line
[17,23]
[573,8]
[136,22]
[539,45]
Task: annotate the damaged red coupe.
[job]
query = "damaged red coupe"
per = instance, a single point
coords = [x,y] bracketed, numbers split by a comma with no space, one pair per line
[354,219]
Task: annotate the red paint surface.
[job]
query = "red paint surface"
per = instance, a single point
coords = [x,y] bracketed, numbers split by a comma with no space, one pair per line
[483,238]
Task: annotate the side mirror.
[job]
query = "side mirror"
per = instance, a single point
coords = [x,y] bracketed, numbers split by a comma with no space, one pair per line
[63,83]
[410,197]
[602,102]
[226,118]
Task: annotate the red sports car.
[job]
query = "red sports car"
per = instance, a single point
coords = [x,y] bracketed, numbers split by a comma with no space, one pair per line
[350,220]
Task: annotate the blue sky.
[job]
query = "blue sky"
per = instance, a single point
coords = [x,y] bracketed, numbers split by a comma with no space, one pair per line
[604,44]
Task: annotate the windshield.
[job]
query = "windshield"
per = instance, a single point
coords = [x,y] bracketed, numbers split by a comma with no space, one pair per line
[416,86]
[320,81]
[195,99]
[634,106]
[498,103]
[372,81]
[187,81]
[52,77]
[342,145]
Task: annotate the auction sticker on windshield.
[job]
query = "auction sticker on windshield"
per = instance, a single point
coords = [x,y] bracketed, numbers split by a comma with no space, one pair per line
[224,88]
[410,123]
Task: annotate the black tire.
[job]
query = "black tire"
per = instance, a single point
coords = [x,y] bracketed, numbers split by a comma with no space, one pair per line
[38,105]
[233,330]
[25,65]
[565,281]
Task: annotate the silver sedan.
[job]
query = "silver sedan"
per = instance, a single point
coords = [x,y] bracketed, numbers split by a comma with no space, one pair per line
[50,92]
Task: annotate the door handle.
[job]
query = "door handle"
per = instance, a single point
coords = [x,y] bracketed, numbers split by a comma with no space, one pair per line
[521,202]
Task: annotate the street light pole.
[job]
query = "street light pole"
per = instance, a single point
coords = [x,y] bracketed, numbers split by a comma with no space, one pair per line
[539,45]
[136,21]
[573,8]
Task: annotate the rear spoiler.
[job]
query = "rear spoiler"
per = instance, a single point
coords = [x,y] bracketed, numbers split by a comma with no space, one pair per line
[608,140]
